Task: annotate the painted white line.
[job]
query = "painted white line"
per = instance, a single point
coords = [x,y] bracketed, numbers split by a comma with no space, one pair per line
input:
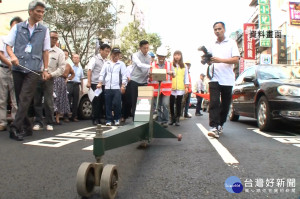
[77,135]
[223,152]
[89,148]
[87,128]
[297,145]
[262,133]
[288,140]
[53,142]
[256,130]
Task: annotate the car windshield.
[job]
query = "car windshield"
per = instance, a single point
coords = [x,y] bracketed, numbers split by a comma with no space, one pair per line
[279,72]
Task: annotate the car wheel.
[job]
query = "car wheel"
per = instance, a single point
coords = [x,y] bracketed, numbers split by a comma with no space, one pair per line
[264,118]
[85,108]
[232,115]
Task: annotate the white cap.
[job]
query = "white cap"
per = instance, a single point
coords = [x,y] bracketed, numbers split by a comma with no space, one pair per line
[161,51]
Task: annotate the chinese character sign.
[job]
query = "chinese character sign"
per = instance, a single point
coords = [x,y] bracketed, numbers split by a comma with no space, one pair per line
[294,13]
[249,41]
[282,51]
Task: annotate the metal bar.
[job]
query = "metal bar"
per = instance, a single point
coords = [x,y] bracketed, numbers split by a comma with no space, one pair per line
[123,136]
[161,132]
[29,69]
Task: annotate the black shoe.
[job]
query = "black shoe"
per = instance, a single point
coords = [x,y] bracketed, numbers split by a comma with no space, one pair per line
[198,114]
[187,116]
[172,121]
[15,134]
[177,122]
[26,132]
[95,122]
[164,124]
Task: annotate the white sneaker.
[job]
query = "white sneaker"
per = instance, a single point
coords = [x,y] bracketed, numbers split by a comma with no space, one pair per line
[220,129]
[213,132]
[49,128]
[37,127]
[117,122]
[108,123]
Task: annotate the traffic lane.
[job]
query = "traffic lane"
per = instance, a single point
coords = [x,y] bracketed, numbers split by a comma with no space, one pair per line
[190,169]
[262,157]
[166,168]
[40,172]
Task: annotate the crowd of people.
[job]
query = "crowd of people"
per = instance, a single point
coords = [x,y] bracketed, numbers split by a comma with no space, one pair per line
[33,68]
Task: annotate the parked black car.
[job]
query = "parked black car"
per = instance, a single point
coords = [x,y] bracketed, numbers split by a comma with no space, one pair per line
[267,93]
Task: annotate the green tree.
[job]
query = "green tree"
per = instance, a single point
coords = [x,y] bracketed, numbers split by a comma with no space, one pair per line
[132,35]
[80,24]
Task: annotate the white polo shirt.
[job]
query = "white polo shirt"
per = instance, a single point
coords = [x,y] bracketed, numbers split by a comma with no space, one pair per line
[223,73]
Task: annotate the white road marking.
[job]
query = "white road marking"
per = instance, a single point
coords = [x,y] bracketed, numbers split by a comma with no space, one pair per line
[288,140]
[77,135]
[223,152]
[285,139]
[53,142]
[87,128]
[89,148]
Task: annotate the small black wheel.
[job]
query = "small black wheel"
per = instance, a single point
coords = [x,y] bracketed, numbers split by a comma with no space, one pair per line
[109,182]
[232,115]
[85,180]
[264,117]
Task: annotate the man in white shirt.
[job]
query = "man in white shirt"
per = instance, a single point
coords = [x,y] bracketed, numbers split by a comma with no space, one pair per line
[225,54]
[199,89]
[94,68]
[45,88]
[140,73]
[113,75]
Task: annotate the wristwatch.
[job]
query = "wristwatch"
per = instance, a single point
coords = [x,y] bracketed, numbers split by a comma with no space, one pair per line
[45,69]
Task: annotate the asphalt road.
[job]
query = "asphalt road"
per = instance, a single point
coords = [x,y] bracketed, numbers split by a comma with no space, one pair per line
[44,166]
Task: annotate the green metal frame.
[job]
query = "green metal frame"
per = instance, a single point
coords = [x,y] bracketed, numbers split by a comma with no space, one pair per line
[141,129]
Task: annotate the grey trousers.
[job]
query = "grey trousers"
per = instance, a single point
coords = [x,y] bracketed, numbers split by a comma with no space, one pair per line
[163,108]
[44,88]
[7,89]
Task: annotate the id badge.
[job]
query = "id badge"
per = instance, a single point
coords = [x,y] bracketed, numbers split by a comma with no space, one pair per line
[28,48]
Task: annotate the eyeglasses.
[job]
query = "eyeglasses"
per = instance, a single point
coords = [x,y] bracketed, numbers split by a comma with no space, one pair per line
[54,38]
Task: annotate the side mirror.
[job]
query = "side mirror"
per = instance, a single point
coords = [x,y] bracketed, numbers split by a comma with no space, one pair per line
[248,79]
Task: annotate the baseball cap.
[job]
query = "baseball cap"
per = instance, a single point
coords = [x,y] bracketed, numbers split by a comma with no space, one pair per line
[202,74]
[151,54]
[36,3]
[116,50]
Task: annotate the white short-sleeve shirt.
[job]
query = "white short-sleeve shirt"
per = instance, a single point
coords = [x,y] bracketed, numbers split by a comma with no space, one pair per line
[223,73]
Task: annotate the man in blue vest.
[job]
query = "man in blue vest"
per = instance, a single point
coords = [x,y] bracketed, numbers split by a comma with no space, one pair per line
[31,42]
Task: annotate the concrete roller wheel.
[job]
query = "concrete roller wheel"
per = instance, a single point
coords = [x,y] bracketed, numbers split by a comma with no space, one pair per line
[85,179]
[109,182]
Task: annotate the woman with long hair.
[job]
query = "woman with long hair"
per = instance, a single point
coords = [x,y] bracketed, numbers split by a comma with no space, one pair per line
[180,85]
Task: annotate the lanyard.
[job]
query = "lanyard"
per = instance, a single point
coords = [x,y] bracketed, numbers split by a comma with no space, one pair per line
[29,37]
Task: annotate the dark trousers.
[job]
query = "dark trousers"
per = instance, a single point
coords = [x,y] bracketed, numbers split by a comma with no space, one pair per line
[134,94]
[25,84]
[73,89]
[187,103]
[98,104]
[44,88]
[218,110]
[178,100]
[126,102]
[199,103]
[112,103]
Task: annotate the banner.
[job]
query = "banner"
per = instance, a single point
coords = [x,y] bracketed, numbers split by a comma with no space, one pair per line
[249,42]
[294,13]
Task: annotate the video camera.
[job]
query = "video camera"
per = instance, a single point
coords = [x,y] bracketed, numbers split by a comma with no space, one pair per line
[206,56]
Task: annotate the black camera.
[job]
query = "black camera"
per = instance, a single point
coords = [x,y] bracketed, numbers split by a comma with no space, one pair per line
[206,56]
